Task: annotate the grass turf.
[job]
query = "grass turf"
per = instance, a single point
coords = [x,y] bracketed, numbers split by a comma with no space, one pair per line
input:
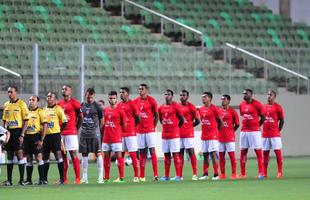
[295,185]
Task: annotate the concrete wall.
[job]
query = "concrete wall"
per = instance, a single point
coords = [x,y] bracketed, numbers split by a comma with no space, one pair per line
[296,134]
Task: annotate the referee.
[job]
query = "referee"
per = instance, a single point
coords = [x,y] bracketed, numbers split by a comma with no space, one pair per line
[15,120]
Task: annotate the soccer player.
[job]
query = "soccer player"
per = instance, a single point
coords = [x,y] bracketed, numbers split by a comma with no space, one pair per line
[230,121]
[191,119]
[72,109]
[115,122]
[210,125]
[271,132]
[146,130]
[253,117]
[52,141]
[34,138]
[129,134]
[90,134]
[15,119]
[171,118]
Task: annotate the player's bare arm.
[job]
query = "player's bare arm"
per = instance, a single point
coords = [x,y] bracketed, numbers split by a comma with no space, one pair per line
[137,119]
[219,123]
[236,126]
[63,126]
[181,120]
[8,135]
[24,128]
[281,124]
[79,119]
[196,122]
[43,134]
[155,118]
[262,119]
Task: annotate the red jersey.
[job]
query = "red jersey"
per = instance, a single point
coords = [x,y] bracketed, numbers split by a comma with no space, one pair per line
[209,125]
[250,113]
[229,118]
[112,126]
[190,113]
[146,107]
[170,121]
[273,114]
[72,109]
[131,112]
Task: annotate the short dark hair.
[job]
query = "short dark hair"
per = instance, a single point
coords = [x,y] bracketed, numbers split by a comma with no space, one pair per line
[209,94]
[101,101]
[185,91]
[171,92]
[112,93]
[14,87]
[227,96]
[249,90]
[90,91]
[144,85]
[126,89]
[273,92]
[53,93]
[67,85]
[38,99]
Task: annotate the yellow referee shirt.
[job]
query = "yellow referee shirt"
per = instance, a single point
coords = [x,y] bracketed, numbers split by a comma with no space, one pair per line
[55,116]
[14,113]
[37,117]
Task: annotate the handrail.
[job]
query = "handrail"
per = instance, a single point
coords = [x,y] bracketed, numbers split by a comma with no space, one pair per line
[267,61]
[163,17]
[11,72]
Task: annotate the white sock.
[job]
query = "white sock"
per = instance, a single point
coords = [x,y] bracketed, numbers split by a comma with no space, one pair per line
[85,166]
[100,167]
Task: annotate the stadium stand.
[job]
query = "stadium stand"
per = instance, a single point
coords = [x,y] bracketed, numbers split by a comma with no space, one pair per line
[118,52]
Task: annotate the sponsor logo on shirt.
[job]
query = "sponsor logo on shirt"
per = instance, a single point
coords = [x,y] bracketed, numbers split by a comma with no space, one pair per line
[12,123]
[247,117]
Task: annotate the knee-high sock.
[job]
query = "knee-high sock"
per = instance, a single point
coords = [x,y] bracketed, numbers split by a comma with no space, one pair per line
[121,167]
[85,167]
[233,162]
[142,162]
[243,159]
[100,167]
[9,167]
[46,168]
[259,156]
[76,167]
[194,163]
[107,165]
[181,156]
[29,170]
[21,167]
[177,164]
[167,163]
[154,163]
[66,165]
[205,169]
[133,156]
[60,165]
[215,168]
[41,170]
[279,157]
[266,161]
[222,162]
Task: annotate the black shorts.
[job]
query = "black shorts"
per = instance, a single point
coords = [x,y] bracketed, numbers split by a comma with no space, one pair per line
[52,143]
[30,146]
[89,145]
[13,143]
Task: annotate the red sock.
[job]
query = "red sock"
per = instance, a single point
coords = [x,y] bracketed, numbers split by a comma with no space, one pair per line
[135,166]
[194,163]
[216,168]
[181,156]
[66,164]
[177,164]
[279,157]
[76,167]
[205,169]
[142,162]
[120,167]
[233,163]
[222,162]
[259,157]
[106,165]
[266,161]
[243,158]
[167,163]
[154,163]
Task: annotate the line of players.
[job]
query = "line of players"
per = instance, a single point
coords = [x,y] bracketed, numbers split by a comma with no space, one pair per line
[130,126]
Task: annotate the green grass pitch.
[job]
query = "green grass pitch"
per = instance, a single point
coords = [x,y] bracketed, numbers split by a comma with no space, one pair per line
[295,185]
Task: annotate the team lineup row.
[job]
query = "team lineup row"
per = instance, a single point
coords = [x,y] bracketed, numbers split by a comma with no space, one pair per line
[129,126]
